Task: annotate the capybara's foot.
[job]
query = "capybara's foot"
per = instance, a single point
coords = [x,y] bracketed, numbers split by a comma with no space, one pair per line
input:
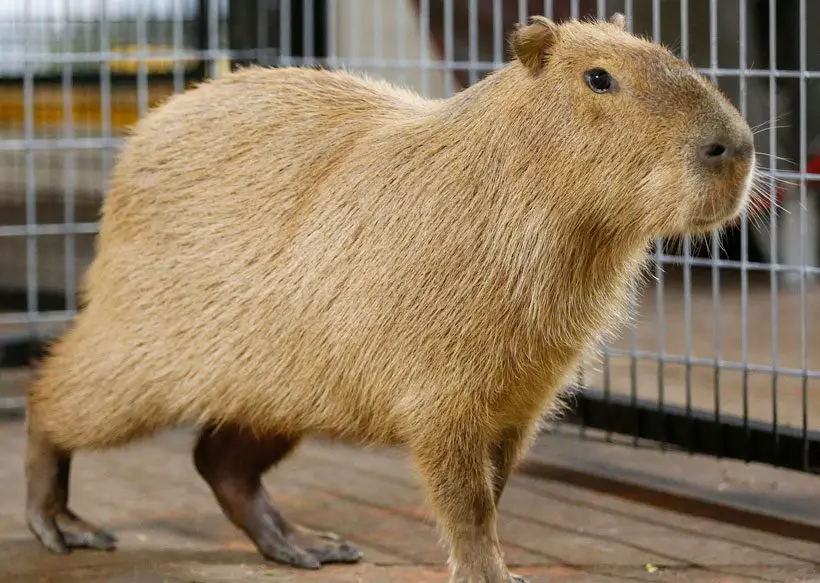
[486,578]
[482,578]
[326,547]
[300,547]
[65,531]
[275,546]
[232,461]
[48,517]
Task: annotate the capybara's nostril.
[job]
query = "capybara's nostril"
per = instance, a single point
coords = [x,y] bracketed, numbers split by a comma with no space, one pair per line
[714,150]
[719,152]
[714,154]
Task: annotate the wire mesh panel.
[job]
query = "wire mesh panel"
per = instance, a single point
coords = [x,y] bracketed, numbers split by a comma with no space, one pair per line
[721,358]
[74,75]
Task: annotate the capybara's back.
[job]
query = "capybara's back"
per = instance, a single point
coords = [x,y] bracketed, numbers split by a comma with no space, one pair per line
[250,263]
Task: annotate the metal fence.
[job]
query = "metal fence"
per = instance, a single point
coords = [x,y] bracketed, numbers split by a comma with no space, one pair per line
[721,360]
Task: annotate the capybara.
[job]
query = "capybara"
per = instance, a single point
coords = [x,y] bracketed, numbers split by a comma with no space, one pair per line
[291,252]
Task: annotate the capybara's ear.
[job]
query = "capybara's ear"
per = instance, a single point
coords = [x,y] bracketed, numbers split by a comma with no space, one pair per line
[618,20]
[531,44]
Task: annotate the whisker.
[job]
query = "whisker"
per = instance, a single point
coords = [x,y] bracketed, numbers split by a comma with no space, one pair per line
[771,203]
[774,119]
[763,176]
[769,128]
[776,157]
[759,226]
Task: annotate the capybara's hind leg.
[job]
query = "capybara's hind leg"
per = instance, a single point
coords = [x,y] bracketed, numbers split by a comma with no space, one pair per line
[505,454]
[232,460]
[47,513]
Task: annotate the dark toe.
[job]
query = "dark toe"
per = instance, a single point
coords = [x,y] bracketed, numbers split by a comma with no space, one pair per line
[288,554]
[298,558]
[519,579]
[341,553]
[94,539]
[54,544]
[46,531]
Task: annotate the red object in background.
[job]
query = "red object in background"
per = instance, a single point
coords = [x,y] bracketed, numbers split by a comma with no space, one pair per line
[814,166]
[760,205]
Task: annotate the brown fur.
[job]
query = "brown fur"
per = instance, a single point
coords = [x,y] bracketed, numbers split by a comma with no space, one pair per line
[308,252]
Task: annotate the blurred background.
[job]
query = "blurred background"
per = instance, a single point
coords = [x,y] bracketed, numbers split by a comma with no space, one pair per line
[724,356]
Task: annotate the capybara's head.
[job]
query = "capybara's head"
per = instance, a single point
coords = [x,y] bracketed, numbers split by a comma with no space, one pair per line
[647,142]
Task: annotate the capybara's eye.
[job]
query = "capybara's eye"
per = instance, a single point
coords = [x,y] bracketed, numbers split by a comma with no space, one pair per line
[598,80]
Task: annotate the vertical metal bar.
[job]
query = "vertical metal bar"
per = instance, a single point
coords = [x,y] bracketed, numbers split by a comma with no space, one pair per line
[332,36]
[424,27]
[449,47]
[549,9]
[522,11]
[601,9]
[774,277]
[142,58]
[803,232]
[179,66]
[285,43]
[260,51]
[308,43]
[213,38]
[401,41]
[744,235]
[473,40]
[656,21]
[69,176]
[629,12]
[574,9]
[498,34]
[659,274]
[32,307]
[106,155]
[687,246]
[715,250]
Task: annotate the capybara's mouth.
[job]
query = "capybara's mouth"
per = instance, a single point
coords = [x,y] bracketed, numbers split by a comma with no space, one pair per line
[702,225]
[723,219]
[730,208]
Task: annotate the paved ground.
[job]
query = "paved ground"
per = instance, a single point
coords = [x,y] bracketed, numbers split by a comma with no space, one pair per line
[172,532]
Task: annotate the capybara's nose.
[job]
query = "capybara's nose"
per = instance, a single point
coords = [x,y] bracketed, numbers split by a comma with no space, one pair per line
[722,151]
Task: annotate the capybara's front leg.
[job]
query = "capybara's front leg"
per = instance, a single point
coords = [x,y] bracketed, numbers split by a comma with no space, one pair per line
[456,468]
